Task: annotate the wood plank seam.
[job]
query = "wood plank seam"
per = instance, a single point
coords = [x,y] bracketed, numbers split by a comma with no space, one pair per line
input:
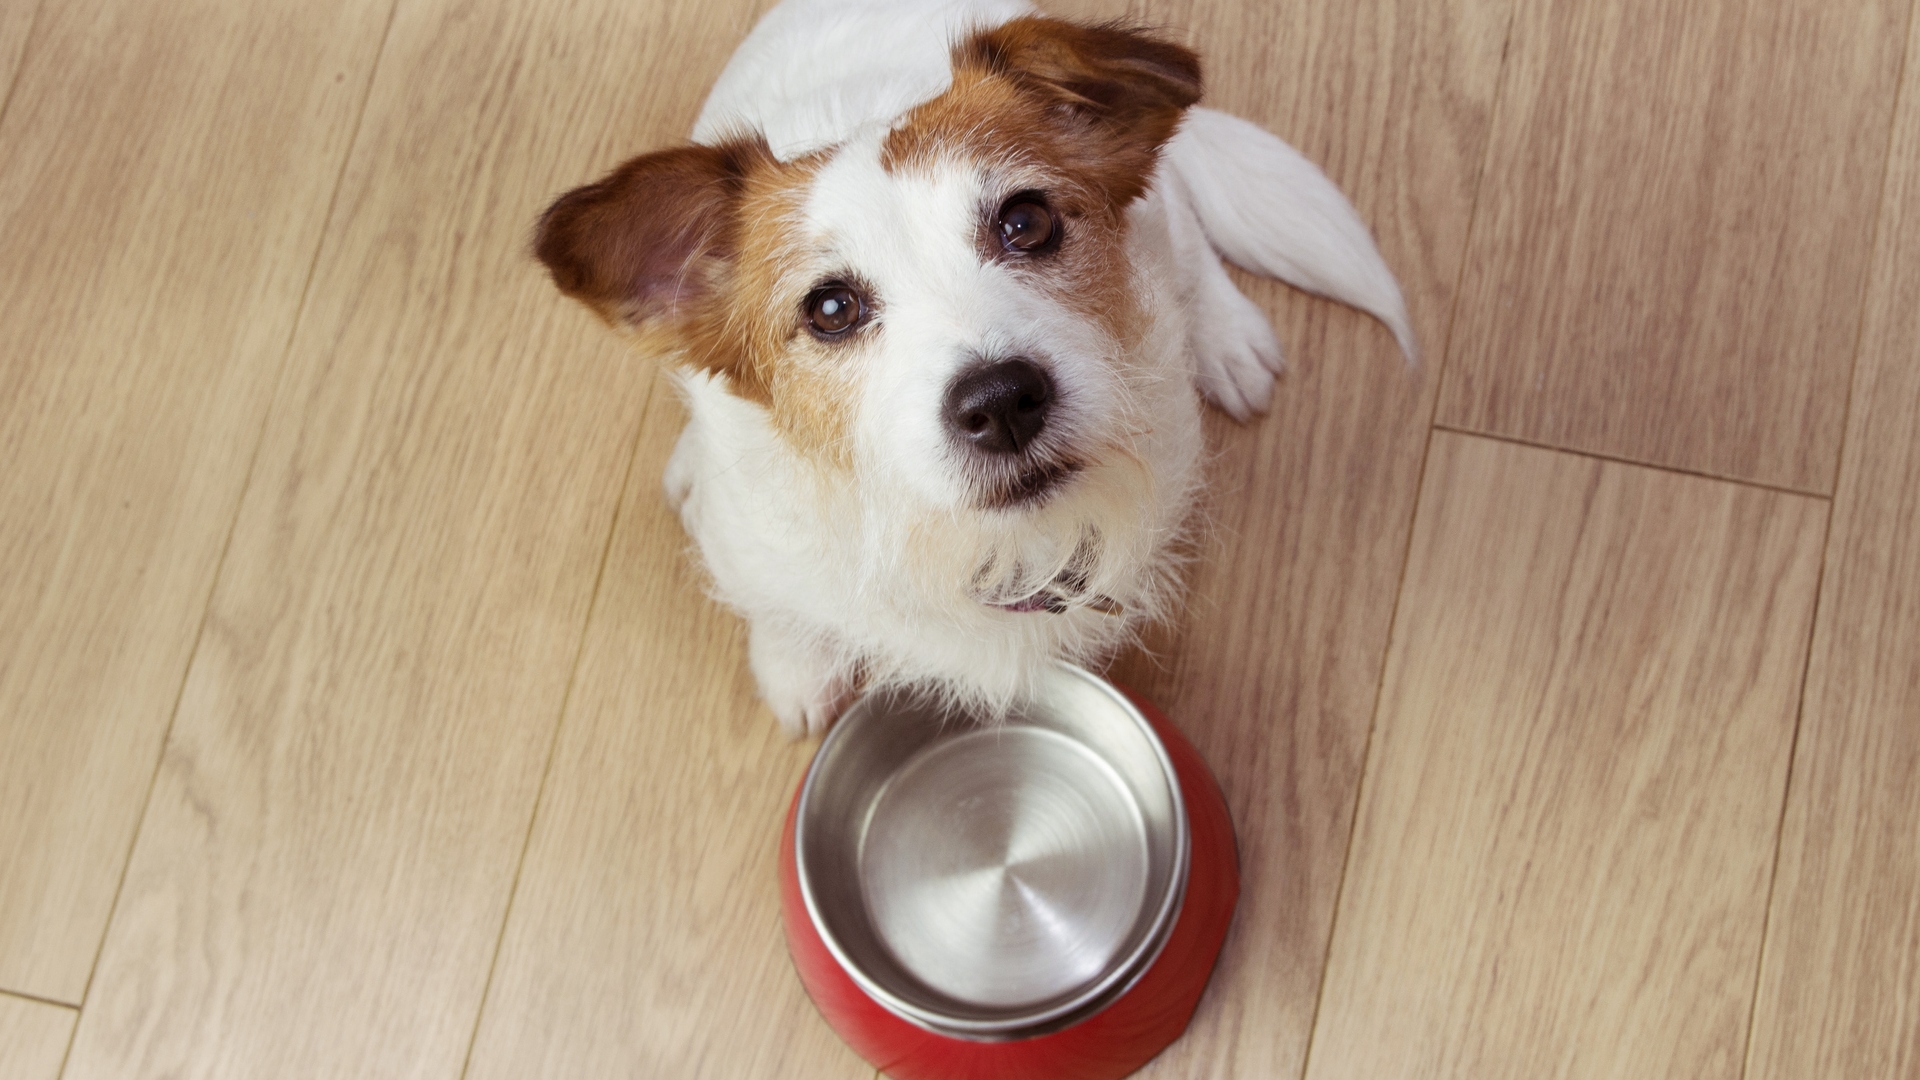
[1574,522]
[1880,228]
[1806,664]
[72,1034]
[1522,363]
[17,995]
[1786,787]
[1406,545]
[253,459]
[37,999]
[10,1049]
[1373,717]
[560,723]
[1596,455]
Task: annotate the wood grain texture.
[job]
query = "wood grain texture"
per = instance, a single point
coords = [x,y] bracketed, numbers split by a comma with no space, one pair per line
[645,933]
[162,192]
[1674,232]
[1841,978]
[1561,860]
[645,938]
[33,1038]
[321,878]
[16,21]
[1561,857]
[1274,670]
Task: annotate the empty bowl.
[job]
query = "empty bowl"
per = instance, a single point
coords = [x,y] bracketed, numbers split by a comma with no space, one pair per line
[1040,895]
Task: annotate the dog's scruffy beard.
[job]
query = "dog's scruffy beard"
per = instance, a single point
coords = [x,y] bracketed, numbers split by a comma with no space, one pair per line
[972,603]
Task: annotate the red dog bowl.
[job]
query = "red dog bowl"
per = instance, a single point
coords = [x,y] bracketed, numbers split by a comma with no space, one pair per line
[1038,898]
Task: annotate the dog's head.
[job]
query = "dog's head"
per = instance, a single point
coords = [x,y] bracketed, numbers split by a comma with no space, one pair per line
[944,311]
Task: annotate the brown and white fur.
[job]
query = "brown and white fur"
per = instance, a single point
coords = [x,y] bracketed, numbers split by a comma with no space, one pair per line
[850,494]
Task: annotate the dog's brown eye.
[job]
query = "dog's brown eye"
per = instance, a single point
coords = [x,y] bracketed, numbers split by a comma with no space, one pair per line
[834,309]
[1026,224]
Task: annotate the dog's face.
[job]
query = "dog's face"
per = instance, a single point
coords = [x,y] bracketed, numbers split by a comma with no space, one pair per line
[944,312]
[969,315]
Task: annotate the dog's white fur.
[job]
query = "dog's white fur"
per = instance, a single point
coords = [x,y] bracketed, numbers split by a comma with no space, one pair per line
[887,572]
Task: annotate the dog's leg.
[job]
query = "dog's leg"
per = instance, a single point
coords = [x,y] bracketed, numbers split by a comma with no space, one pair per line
[1235,352]
[801,681]
[1270,210]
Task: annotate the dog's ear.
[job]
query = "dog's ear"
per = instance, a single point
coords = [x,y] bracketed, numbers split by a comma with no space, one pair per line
[1123,85]
[652,239]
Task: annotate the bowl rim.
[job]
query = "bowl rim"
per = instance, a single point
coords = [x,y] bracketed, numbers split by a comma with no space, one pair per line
[1097,994]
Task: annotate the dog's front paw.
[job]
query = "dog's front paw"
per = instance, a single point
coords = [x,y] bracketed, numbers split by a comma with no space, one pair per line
[1236,354]
[801,683]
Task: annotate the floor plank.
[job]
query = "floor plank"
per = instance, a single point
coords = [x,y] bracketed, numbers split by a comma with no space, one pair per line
[1673,239]
[163,190]
[1561,873]
[33,1038]
[645,938]
[1275,669]
[1569,813]
[1842,970]
[320,882]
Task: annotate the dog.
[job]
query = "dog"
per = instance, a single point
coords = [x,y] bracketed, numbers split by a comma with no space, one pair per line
[940,284]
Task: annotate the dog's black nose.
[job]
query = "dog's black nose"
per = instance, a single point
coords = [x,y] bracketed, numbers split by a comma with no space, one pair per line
[1000,408]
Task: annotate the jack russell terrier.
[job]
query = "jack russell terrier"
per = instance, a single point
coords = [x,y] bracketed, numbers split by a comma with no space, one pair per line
[940,282]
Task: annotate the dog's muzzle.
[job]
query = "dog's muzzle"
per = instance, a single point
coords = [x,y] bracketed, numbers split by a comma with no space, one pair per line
[1000,413]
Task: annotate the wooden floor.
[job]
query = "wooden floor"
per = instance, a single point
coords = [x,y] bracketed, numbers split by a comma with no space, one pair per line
[361,714]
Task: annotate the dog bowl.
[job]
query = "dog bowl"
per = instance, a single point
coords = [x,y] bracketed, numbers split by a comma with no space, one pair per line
[1041,896]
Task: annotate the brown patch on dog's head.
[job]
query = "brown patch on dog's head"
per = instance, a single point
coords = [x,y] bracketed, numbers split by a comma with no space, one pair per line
[1077,112]
[1096,101]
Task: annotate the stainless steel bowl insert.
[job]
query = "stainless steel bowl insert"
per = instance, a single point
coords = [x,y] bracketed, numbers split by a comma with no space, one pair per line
[994,880]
